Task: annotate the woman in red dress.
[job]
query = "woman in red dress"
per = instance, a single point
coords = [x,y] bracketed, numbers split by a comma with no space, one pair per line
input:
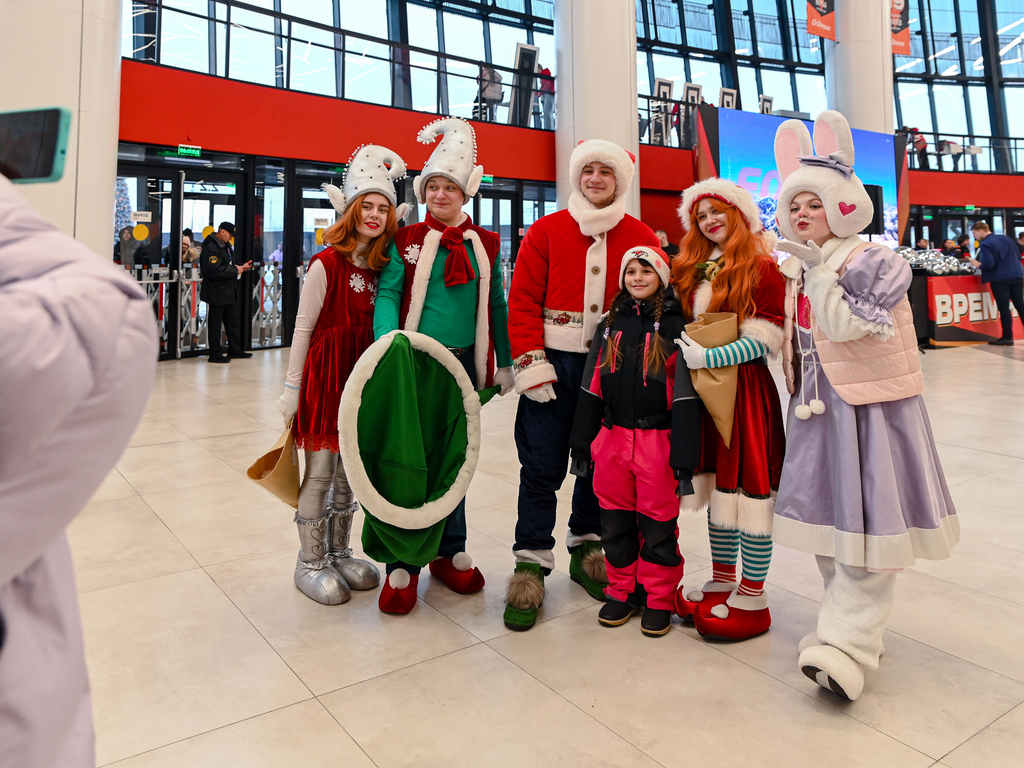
[725,265]
[333,327]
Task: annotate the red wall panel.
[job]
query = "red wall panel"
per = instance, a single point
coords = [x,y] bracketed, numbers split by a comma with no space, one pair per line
[985,190]
[253,119]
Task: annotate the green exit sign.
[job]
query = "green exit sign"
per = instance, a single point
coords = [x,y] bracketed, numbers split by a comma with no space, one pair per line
[968,207]
[487,179]
[188,150]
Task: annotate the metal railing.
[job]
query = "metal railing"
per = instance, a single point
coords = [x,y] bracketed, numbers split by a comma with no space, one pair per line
[969,154]
[253,44]
[665,122]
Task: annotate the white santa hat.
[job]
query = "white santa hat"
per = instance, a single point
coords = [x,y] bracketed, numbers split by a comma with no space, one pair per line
[372,168]
[655,257]
[623,163]
[726,191]
[454,158]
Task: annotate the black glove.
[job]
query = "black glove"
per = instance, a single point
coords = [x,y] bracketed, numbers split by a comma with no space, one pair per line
[579,464]
[685,478]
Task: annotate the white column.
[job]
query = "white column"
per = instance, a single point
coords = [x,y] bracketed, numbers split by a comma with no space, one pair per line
[858,66]
[67,53]
[595,92]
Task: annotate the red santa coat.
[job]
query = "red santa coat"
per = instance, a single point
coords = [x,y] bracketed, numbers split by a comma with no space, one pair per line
[562,284]
[418,244]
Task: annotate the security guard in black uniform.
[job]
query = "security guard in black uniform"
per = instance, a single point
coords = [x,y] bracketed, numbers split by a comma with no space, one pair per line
[220,274]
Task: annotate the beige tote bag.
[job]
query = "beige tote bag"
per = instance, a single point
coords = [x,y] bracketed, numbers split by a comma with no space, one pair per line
[277,470]
[716,386]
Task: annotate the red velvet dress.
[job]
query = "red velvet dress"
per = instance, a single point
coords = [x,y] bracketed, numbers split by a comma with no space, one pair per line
[752,464]
[342,333]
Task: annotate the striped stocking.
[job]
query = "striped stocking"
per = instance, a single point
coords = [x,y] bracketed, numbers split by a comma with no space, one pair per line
[725,545]
[757,556]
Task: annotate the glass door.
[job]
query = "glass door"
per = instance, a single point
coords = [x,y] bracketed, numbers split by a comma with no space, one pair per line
[501,213]
[147,241]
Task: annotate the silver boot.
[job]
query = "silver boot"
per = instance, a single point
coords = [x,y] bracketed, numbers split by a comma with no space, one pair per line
[360,574]
[315,577]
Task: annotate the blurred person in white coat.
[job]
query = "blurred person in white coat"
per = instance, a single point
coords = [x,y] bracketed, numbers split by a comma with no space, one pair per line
[77,362]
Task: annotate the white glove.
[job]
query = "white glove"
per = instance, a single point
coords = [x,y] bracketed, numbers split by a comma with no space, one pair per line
[693,353]
[504,378]
[288,403]
[809,254]
[541,394]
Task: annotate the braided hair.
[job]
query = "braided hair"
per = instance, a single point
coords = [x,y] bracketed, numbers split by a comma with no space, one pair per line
[657,352]
[660,349]
[611,355]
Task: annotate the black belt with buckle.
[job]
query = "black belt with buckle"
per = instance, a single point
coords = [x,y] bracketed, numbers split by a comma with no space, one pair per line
[457,351]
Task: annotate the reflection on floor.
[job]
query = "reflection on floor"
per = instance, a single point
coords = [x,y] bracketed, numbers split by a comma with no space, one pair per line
[203,653]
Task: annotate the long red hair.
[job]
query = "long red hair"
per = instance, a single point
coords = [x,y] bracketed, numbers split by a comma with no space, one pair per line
[342,234]
[742,253]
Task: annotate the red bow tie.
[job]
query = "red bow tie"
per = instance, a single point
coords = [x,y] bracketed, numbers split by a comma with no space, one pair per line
[457,268]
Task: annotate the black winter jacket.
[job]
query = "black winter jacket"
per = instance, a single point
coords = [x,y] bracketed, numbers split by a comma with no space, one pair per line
[218,271]
[628,398]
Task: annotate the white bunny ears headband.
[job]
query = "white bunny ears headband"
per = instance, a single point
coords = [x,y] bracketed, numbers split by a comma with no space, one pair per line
[824,167]
[372,168]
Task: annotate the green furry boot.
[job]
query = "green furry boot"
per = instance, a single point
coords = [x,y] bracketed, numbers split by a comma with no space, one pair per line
[524,597]
[586,568]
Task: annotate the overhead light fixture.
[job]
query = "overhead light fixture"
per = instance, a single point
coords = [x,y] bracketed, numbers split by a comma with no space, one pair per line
[944,50]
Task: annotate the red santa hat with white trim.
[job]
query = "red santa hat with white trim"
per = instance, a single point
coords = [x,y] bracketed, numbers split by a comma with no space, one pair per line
[655,257]
[727,192]
[623,163]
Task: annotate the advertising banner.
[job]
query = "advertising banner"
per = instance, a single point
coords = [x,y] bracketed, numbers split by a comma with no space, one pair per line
[900,18]
[962,310]
[821,18]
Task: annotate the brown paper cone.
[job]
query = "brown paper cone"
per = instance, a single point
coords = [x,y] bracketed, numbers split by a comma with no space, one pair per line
[716,386]
[278,470]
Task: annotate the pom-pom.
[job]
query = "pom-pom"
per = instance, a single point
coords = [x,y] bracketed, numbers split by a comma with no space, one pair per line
[803,412]
[817,407]
[399,578]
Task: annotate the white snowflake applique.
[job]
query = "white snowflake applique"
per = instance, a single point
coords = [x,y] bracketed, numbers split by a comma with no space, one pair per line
[357,283]
[373,292]
[412,254]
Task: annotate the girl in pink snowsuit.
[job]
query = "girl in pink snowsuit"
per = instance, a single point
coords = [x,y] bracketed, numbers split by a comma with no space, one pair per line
[639,416]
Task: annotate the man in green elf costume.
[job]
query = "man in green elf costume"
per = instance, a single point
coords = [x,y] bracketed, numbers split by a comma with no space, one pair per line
[443,281]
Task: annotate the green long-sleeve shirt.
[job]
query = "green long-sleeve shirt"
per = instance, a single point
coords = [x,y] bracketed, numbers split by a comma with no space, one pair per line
[449,314]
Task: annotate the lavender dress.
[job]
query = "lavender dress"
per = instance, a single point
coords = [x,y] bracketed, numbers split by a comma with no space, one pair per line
[863,483]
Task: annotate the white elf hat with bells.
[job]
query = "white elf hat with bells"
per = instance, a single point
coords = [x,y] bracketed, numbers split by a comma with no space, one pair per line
[656,257]
[727,192]
[372,168]
[454,158]
[623,163]
[824,168]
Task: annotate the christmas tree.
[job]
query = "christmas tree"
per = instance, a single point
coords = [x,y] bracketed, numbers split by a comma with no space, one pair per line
[122,207]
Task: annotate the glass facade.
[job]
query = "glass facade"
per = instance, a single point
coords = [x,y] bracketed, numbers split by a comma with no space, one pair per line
[963,78]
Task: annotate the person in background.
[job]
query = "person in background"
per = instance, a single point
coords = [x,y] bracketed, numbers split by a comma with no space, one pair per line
[547,99]
[921,148]
[949,247]
[963,245]
[922,244]
[125,248]
[218,291]
[1020,242]
[77,360]
[670,249]
[1000,265]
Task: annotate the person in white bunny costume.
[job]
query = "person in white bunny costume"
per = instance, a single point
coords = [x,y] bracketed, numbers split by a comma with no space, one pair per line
[862,487]
[333,327]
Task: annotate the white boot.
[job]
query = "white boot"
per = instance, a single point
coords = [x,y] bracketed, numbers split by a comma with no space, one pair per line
[833,670]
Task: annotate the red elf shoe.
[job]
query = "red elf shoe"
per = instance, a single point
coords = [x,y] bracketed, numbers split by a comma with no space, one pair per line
[711,594]
[398,595]
[741,617]
[458,574]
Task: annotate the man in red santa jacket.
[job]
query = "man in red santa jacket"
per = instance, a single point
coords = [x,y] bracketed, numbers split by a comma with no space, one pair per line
[566,275]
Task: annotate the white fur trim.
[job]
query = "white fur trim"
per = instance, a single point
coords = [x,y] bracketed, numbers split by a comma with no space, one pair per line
[702,298]
[697,502]
[728,191]
[483,337]
[724,509]
[533,376]
[764,331]
[601,151]
[413,518]
[421,278]
[399,578]
[592,220]
[594,286]
[568,337]
[833,663]
[462,561]
[754,516]
[897,551]
[545,558]
[574,539]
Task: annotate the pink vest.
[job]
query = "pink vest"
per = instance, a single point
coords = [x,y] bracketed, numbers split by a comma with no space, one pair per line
[866,370]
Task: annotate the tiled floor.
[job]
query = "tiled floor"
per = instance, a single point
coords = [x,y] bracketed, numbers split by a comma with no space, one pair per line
[203,653]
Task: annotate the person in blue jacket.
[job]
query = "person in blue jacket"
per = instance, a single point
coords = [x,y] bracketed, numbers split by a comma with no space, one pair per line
[1000,262]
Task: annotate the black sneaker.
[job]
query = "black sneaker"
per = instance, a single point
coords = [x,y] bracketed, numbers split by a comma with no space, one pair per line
[656,622]
[1002,343]
[242,355]
[221,359]
[615,614]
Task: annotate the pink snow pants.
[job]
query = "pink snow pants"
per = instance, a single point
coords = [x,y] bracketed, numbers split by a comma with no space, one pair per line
[639,509]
